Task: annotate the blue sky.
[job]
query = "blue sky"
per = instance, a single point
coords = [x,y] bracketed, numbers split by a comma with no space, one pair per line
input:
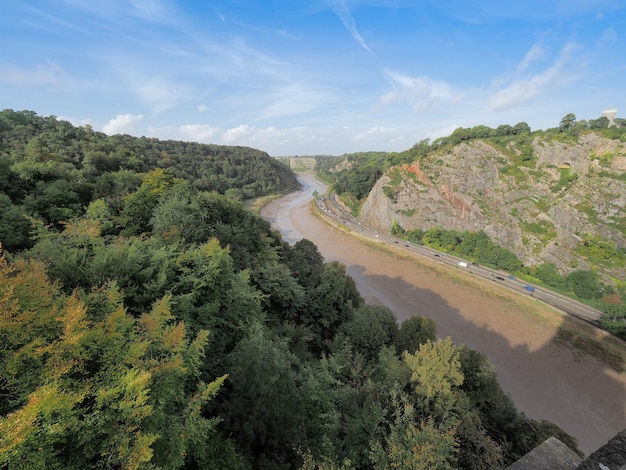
[306,77]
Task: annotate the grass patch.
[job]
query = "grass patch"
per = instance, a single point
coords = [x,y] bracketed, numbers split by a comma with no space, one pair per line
[565,180]
[543,229]
[407,212]
[589,211]
[605,348]
[608,174]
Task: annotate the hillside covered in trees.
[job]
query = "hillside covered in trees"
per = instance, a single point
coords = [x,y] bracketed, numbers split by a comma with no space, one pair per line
[52,171]
[147,322]
[547,206]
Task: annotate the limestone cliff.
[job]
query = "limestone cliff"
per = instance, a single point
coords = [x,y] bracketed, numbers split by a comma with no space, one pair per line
[546,200]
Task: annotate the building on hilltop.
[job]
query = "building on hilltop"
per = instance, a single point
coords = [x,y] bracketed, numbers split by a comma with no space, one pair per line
[610,113]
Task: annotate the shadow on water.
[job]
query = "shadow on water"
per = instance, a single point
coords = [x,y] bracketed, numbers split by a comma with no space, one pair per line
[547,381]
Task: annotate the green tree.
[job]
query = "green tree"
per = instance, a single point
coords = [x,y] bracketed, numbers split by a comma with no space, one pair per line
[459,135]
[614,319]
[414,443]
[600,123]
[480,132]
[107,393]
[265,407]
[305,262]
[547,272]
[585,284]
[372,328]
[57,202]
[436,373]
[414,332]
[138,206]
[282,296]
[521,128]
[396,228]
[331,304]
[567,122]
[15,228]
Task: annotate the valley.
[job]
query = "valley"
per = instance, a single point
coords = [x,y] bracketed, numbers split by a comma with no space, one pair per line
[546,380]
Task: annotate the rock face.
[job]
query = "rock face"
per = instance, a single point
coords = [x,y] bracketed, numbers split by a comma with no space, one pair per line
[611,456]
[543,200]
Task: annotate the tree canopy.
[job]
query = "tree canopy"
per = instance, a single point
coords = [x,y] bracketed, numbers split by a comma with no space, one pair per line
[150,323]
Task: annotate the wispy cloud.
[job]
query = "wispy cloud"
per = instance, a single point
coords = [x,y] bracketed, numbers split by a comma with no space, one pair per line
[293,99]
[122,124]
[163,93]
[533,54]
[343,12]
[47,73]
[524,89]
[419,92]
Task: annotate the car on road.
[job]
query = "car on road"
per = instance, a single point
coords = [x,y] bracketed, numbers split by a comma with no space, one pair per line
[499,278]
[511,277]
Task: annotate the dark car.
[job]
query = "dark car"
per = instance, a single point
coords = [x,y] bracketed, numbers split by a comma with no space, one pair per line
[499,278]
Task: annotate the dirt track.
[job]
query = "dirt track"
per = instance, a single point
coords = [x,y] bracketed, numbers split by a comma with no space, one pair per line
[546,380]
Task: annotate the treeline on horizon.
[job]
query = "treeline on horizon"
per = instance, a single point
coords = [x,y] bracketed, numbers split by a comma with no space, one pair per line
[353,176]
[147,322]
[51,170]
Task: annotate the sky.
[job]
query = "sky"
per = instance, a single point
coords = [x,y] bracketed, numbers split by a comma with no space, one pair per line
[311,77]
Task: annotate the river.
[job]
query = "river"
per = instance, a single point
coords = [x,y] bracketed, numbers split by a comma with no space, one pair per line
[546,380]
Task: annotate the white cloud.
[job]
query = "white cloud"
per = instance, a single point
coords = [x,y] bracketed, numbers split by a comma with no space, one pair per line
[202,108]
[160,93]
[533,54]
[293,99]
[44,74]
[150,10]
[238,133]
[343,12]
[420,92]
[122,124]
[524,89]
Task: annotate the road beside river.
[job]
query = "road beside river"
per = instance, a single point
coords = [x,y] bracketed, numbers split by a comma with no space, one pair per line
[546,380]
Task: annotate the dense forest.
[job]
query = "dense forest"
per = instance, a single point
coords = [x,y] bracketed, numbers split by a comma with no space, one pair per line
[148,321]
[52,171]
[353,176]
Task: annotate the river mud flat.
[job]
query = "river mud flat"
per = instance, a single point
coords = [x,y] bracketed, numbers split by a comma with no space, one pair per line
[545,379]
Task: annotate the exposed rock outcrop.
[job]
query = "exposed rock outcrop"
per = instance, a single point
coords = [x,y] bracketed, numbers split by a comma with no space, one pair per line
[543,202]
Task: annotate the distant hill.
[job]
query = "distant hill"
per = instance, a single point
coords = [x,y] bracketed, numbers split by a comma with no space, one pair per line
[52,171]
[28,140]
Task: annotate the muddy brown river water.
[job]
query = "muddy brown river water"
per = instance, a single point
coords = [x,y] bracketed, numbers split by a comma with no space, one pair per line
[545,380]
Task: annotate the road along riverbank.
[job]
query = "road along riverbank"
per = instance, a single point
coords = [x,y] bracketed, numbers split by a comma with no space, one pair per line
[546,379]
